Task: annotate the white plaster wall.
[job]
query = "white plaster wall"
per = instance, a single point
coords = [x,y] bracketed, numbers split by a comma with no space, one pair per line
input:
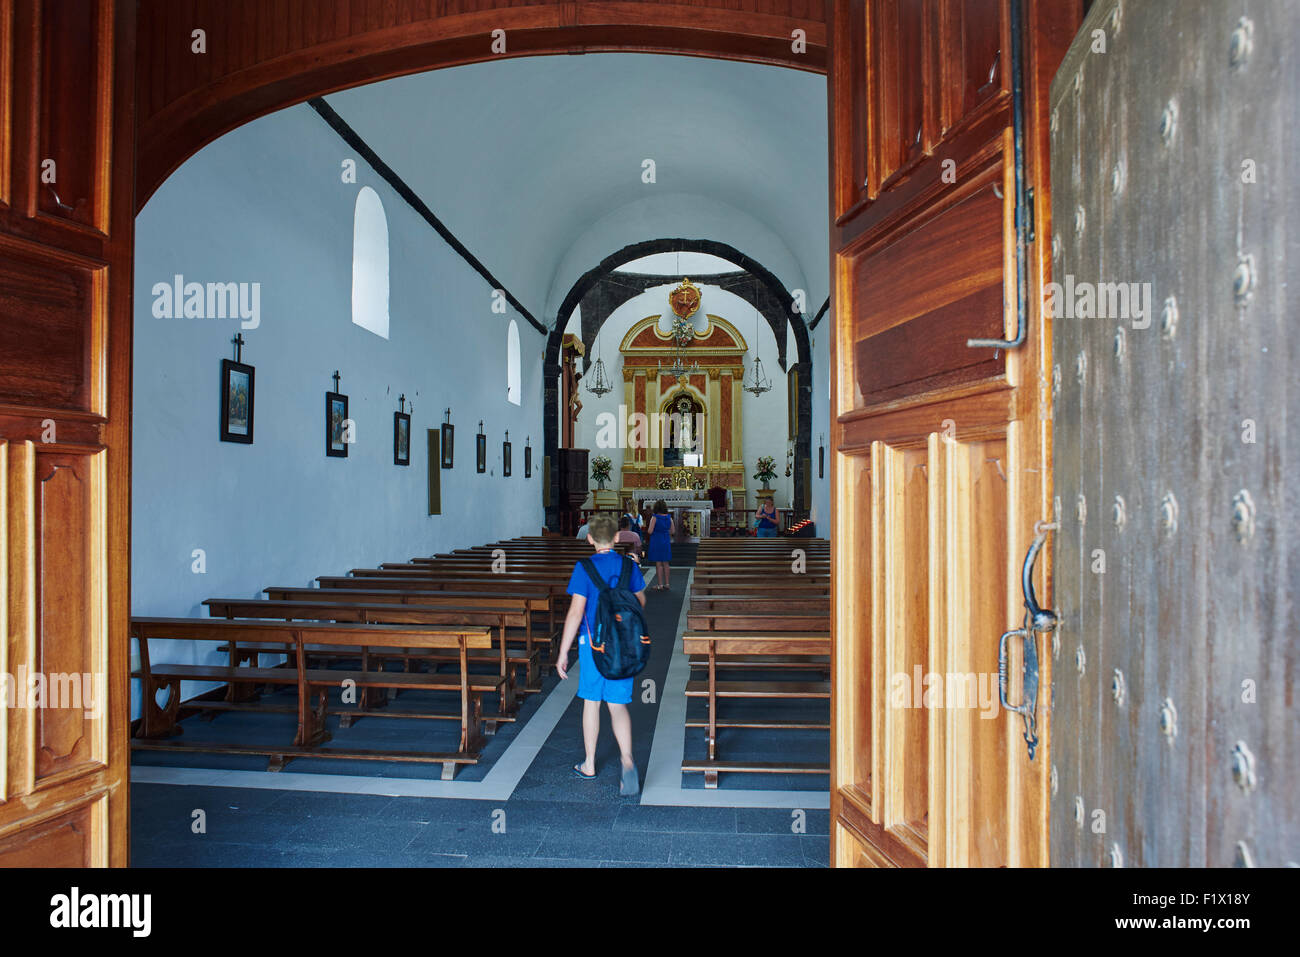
[266,204]
[525,154]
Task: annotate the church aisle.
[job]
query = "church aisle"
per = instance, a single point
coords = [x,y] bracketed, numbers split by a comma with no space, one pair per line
[551,820]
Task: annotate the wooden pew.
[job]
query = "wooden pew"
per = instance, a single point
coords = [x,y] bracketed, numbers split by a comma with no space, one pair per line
[489,585]
[749,621]
[751,611]
[715,645]
[759,603]
[537,601]
[766,588]
[159,722]
[391,613]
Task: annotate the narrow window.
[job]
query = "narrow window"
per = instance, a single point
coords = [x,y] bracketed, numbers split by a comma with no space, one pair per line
[513,391]
[370,264]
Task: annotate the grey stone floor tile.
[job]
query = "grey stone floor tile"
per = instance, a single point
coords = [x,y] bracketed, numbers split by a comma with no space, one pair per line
[349,834]
[816,850]
[667,820]
[611,846]
[588,815]
[477,839]
[747,850]
[317,803]
[512,862]
[433,810]
[769,820]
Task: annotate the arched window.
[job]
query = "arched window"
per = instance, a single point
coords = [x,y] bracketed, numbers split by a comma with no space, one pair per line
[370,263]
[514,393]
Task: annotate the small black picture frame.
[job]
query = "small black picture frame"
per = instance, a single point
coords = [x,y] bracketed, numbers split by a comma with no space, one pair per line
[480,442]
[401,438]
[237,381]
[528,461]
[505,459]
[336,417]
[448,444]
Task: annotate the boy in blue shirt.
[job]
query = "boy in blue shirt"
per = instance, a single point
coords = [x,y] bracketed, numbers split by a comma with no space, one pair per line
[593,687]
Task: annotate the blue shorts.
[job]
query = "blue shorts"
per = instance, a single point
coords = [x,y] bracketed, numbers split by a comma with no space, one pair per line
[767,533]
[593,686]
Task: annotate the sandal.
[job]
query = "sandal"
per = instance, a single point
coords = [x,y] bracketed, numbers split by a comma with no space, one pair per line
[577,769]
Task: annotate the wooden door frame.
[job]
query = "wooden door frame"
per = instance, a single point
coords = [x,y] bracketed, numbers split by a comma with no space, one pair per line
[185,102]
[142,151]
[82,809]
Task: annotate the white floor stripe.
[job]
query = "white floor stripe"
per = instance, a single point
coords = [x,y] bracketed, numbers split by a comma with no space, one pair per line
[497,785]
[663,783]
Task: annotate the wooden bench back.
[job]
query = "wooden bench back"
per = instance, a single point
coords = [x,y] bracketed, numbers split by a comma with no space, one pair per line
[534,599]
[757,643]
[344,634]
[382,613]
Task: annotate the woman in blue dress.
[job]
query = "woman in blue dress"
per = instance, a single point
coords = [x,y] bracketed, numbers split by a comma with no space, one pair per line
[766,521]
[660,550]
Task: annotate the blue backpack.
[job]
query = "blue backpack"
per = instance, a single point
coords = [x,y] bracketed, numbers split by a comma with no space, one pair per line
[620,645]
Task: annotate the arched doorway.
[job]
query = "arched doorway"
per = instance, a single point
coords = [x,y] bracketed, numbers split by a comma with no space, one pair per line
[765,292]
[143,86]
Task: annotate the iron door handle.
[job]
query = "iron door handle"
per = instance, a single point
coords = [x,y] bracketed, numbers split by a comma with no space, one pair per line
[1037,619]
[1028,683]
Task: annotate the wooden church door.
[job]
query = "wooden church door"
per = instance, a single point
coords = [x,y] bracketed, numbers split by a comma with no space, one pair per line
[66,220]
[941,466]
[1175,740]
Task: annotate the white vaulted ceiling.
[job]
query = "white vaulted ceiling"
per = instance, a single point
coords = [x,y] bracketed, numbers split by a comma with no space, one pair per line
[536,163]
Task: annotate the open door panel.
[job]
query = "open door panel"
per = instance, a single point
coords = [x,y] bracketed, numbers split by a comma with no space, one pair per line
[66,219]
[941,465]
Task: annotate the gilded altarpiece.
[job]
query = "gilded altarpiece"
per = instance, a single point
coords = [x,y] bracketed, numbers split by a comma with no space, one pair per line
[715,362]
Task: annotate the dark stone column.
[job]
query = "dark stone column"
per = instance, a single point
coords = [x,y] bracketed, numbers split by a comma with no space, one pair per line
[551,436]
[803,442]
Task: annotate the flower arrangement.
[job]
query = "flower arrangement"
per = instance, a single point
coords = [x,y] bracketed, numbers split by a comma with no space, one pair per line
[600,467]
[765,469]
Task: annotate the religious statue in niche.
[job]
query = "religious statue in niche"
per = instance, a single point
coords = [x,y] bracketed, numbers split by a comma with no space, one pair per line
[684,437]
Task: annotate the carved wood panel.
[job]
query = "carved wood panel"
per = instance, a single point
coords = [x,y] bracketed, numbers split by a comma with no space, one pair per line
[940,458]
[74,110]
[54,327]
[69,640]
[6,100]
[66,840]
[65,306]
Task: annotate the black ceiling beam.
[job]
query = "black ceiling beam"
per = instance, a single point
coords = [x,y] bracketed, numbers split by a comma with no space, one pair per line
[820,312]
[386,172]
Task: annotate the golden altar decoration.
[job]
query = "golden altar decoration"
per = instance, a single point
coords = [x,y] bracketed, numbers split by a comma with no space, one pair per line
[713,389]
